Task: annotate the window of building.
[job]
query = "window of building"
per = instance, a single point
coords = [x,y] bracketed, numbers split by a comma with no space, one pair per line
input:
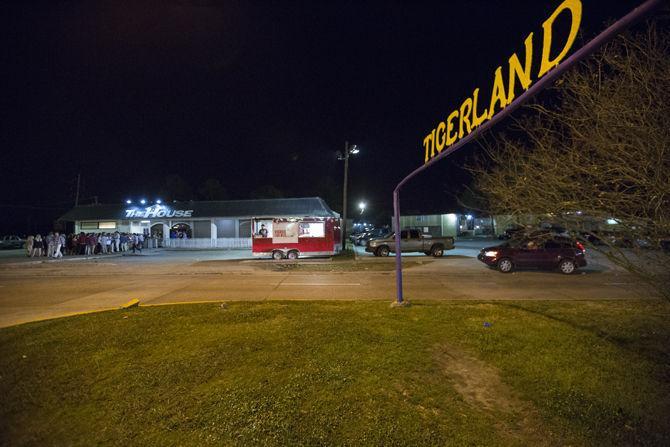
[225,228]
[202,229]
[107,225]
[245,228]
[89,225]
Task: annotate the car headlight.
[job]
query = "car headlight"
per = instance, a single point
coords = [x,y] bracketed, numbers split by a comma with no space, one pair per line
[491,254]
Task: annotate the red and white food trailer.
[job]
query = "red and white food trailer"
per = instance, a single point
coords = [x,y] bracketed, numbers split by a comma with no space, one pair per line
[294,237]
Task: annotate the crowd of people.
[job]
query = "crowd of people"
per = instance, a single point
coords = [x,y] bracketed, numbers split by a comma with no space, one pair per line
[55,245]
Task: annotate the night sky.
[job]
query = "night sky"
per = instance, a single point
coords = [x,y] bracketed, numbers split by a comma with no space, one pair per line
[251,93]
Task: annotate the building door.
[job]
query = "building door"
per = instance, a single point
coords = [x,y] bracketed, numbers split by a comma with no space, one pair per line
[181,231]
[157,230]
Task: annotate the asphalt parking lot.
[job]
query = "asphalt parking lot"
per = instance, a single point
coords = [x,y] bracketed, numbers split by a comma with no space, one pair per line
[37,289]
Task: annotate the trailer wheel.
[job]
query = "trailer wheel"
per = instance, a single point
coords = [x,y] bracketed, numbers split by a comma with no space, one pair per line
[277,255]
[293,254]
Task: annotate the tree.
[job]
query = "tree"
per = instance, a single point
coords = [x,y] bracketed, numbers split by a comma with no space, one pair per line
[211,189]
[602,150]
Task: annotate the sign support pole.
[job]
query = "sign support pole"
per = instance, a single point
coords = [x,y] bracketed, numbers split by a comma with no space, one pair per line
[608,34]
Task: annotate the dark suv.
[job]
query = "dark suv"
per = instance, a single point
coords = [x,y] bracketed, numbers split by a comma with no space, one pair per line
[544,252]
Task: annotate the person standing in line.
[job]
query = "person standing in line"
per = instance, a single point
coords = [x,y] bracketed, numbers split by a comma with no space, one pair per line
[72,243]
[82,243]
[138,240]
[29,245]
[63,246]
[50,244]
[90,244]
[37,246]
[108,241]
[117,242]
[57,244]
[102,240]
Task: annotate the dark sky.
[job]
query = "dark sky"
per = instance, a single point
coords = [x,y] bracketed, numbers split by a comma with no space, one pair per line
[251,93]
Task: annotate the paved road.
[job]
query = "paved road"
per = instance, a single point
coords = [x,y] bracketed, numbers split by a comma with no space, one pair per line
[32,291]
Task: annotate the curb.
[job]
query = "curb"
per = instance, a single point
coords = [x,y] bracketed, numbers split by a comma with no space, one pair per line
[64,259]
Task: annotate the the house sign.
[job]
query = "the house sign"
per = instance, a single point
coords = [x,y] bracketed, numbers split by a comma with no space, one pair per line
[157,211]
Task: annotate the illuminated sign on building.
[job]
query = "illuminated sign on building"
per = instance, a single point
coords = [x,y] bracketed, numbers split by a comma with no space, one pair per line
[157,211]
[470,115]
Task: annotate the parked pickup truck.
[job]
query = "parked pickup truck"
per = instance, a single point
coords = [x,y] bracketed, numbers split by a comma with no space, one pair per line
[411,241]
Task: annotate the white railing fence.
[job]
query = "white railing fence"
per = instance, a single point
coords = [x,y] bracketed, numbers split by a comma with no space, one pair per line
[223,243]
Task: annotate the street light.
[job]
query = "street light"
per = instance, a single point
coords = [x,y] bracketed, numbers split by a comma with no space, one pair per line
[362,206]
[348,149]
[143,201]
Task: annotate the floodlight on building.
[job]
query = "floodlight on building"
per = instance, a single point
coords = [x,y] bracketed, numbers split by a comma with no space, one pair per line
[143,201]
[159,201]
[129,201]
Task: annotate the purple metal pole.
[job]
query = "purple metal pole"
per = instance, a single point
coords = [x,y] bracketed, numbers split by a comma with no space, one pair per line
[608,34]
[398,258]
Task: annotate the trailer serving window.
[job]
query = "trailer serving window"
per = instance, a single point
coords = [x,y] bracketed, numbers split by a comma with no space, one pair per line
[312,229]
[262,228]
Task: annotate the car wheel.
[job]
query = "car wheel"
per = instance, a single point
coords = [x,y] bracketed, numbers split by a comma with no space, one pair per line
[292,255]
[277,255]
[505,265]
[383,251]
[567,266]
[437,251]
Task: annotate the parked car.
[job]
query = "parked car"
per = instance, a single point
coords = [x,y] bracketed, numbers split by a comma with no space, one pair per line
[11,241]
[411,241]
[353,237]
[371,234]
[550,252]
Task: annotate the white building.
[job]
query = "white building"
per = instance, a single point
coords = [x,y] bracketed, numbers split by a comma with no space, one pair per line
[206,224]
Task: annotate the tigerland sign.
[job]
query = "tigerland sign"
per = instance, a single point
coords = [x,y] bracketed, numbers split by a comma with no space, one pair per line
[157,211]
[470,115]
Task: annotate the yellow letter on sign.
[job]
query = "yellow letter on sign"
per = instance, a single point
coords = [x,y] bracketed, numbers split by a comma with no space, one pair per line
[575,7]
[439,137]
[429,144]
[498,93]
[451,139]
[515,69]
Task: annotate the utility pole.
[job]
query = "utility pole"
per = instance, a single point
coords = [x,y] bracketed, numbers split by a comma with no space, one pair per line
[344,195]
[76,197]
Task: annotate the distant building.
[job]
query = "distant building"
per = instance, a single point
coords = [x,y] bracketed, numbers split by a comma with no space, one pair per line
[450,224]
[206,224]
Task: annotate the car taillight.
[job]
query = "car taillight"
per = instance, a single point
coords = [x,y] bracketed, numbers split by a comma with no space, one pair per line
[581,247]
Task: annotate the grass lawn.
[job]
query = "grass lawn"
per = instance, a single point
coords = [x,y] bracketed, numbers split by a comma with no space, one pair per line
[342,373]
